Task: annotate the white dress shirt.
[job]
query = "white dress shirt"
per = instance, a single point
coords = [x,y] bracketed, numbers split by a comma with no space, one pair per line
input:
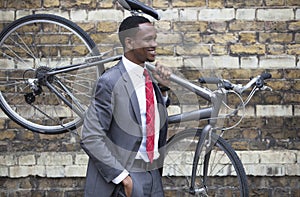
[136,75]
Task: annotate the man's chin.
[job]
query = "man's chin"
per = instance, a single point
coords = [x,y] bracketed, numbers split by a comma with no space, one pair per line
[151,59]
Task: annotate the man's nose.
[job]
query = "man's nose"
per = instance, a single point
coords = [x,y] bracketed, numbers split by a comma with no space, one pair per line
[153,43]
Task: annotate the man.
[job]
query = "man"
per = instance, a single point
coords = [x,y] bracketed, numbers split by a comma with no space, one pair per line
[123,153]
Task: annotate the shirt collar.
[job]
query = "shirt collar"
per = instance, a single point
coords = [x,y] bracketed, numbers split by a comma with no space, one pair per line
[132,68]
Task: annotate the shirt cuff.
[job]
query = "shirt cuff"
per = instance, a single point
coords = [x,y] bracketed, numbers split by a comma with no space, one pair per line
[121,177]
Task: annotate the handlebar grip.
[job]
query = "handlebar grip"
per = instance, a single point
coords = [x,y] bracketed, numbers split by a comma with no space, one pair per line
[260,81]
[213,80]
[209,80]
[266,76]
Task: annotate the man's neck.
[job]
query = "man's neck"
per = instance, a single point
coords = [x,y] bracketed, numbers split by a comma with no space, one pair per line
[132,59]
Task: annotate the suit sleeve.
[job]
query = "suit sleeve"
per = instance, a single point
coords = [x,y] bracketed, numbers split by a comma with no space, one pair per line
[95,128]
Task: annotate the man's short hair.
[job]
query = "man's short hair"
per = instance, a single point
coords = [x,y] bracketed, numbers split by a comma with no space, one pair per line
[129,27]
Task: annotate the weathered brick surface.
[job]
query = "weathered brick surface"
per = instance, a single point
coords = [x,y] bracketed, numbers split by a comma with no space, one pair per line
[216,14]
[51,3]
[277,62]
[220,61]
[105,15]
[73,164]
[243,25]
[275,14]
[215,3]
[188,14]
[275,37]
[26,4]
[242,3]
[188,3]
[275,2]
[234,39]
[81,3]
[245,14]
[252,49]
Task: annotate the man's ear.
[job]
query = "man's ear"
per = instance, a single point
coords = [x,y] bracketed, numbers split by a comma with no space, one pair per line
[129,43]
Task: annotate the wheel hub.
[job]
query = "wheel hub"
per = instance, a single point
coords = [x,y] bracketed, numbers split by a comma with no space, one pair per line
[41,75]
[36,84]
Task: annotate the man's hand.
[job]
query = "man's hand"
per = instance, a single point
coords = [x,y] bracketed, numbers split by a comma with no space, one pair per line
[128,185]
[162,74]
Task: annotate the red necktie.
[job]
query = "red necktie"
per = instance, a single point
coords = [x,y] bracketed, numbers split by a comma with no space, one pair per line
[150,116]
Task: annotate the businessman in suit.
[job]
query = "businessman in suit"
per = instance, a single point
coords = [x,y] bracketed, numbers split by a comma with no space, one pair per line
[125,127]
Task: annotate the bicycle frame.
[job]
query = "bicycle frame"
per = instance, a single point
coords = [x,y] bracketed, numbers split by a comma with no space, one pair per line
[78,109]
[205,113]
[198,114]
[204,138]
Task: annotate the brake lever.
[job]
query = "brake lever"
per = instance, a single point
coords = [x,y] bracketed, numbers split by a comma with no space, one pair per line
[265,87]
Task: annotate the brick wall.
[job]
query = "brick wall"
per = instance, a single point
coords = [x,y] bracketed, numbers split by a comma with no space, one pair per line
[235,39]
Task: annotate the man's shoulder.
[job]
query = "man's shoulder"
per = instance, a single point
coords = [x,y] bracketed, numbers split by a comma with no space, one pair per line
[112,71]
[111,75]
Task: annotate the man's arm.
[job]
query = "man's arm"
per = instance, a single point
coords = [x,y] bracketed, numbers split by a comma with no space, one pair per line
[96,124]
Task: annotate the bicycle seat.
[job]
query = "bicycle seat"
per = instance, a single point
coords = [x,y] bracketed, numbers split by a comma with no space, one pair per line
[135,5]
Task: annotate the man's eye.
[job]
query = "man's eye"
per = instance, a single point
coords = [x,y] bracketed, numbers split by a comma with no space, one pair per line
[150,39]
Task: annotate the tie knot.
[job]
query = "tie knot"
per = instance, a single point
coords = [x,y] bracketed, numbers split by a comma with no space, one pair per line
[146,74]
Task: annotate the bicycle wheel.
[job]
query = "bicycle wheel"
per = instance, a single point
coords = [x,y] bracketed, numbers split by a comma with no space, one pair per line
[225,174]
[29,48]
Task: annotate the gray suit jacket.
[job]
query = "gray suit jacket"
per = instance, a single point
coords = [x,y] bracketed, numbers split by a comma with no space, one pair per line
[112,130]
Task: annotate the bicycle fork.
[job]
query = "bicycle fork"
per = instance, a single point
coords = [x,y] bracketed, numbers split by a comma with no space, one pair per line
[201,143]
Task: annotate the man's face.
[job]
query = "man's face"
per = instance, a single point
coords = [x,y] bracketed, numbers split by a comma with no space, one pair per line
[143,44]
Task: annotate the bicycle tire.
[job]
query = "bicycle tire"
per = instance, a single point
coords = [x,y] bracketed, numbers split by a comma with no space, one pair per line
[226,177]
[32,46]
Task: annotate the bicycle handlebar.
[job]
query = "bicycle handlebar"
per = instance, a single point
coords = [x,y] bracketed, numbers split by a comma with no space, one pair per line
[258,81]
[207,94]
[210,80]
[135,5]
[266,76]
[213,96]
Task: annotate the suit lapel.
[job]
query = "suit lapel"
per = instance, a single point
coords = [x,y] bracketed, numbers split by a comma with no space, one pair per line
[135,104]
[131,93]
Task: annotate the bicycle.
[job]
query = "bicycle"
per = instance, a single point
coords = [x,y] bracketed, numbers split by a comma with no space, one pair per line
[48,69]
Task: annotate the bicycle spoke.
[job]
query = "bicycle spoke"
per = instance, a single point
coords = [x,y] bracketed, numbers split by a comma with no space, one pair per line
[18,57]
[28,51]
[220,179]
[10,84]
[40,43]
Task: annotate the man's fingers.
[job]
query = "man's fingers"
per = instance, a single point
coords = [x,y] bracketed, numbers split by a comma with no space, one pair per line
[128,185]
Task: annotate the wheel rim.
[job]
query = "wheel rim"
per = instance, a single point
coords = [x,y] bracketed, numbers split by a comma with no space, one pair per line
[221,178]
[45,43]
